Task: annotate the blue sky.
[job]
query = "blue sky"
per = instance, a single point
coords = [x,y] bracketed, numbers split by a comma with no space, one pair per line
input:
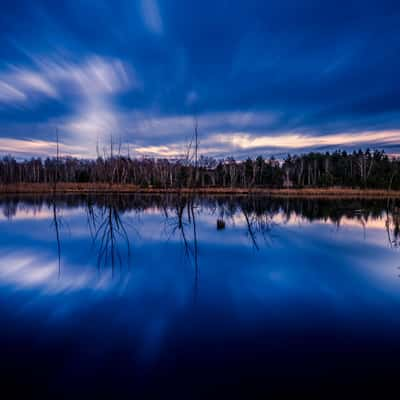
[263,77]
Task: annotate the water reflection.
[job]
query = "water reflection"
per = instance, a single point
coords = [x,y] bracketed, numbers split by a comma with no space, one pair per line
[166,280]
[392,223]
[112,222]
[108,231]
[56,224]
[103,213]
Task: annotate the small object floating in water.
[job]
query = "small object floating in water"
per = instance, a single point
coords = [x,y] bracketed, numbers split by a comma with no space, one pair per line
[220,224]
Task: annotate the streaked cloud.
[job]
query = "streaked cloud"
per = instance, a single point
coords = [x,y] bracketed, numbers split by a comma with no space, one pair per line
[95,75]
[91,85]
[295,141]
[240,144]
[151,16]
[173,151]
[9,93]
[18,85]
[54,77]
[34,82]
[27,148]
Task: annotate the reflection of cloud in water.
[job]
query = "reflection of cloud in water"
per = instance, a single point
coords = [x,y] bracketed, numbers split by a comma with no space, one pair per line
[29,264]
[27,270]
[309,262]
[25,213]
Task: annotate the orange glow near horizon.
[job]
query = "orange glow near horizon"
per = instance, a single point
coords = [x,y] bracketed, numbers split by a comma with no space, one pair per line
[294,141]
[214,144]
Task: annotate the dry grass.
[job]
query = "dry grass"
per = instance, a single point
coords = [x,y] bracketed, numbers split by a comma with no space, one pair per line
[83,188]
[66,188]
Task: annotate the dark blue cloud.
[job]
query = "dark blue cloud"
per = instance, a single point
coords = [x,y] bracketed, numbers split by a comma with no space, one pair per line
[97,67]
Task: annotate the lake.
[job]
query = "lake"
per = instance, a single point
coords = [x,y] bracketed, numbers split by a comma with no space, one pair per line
[154,295]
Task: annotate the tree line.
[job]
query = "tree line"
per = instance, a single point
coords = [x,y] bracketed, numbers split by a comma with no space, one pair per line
[358,169]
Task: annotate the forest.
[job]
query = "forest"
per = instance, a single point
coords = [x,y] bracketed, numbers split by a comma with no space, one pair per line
[358,169]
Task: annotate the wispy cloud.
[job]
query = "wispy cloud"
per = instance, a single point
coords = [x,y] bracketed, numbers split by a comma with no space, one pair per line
[94,84]
[239,133]
[151,16]
[18,85]
[52,78]
[244,144]
[30,81]
[27,148]
[296,141]
[91,86]
[94,76]
[10,94]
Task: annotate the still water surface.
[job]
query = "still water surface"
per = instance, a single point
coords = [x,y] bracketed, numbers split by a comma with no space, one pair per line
[117,295]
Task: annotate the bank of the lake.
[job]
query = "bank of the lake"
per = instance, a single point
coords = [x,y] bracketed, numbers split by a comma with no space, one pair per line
[83,188]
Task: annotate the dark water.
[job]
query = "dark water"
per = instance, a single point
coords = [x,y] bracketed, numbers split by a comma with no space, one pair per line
[139,295]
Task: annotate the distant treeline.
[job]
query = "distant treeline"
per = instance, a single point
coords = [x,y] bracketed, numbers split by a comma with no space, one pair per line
[361,169]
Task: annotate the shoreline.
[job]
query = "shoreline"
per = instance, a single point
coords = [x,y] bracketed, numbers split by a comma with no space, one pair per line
[101,188]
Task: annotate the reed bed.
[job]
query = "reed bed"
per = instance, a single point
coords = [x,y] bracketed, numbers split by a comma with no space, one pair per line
[83,188]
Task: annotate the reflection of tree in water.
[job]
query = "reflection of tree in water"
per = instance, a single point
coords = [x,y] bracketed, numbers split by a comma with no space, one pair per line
[309,209]
[258,225]
[181,218]
[10,208]
[195,250]
[392,223]
[57,222]
[110,236]
[108,230]
[259,222]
